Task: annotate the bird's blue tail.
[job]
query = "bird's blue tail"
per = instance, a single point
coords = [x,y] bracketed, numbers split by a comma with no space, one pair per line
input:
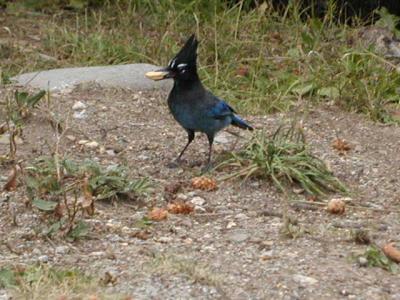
[238,122]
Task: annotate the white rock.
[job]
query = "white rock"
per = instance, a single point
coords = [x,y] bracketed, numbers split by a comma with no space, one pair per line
[83,142]
[222,138]
[80,114]
[231,224]
[164,239]
[181,196]
[43,258]
[98,253]
[62,250]
[92,145]
[78,105]
[304,280]
[198,201]
[241,216]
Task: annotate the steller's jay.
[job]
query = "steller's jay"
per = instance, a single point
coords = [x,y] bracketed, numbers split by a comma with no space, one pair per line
[195,108]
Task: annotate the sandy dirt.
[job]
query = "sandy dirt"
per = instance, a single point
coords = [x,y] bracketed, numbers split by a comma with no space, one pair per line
[232,246]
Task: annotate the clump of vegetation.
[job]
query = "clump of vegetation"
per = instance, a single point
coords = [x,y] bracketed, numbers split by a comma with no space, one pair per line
[44,282]
[285,159]
[260,59]
[66,188]
[17,109]
[376,258]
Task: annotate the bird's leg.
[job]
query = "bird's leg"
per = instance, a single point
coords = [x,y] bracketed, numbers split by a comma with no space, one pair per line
[176,162]
[208,166]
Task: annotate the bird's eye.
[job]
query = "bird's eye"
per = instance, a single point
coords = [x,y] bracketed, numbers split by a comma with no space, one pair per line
[182,68]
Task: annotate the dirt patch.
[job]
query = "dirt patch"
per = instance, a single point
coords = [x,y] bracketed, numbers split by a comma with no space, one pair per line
[232,247]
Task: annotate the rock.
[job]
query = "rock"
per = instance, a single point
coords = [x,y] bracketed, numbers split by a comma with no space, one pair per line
[110,152]
[71,138]
[92,145]
[43,259]
[222,138]
[181,196]
[61,250]
[304,280]
[4,295]
[123,76]
[98,253]
[198,201]
[164,239]
[231,224]
[80,115]
[362,261]
[241,216]
[5,139]
[79,105]
[47,57]
[238,236]
[36,252]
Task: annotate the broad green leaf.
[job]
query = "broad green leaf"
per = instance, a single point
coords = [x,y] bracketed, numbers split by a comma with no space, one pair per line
[7,278]
[303,90]
[44,205]
[330,92]
[80,230]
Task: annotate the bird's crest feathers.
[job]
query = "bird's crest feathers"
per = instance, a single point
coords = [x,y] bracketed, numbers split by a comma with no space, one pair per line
[187,55]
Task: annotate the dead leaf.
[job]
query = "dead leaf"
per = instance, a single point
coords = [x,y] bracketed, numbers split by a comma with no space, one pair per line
[180,207]
[242,71]
[142,235]
[342,146]
[204,183]
[11,184]
[158,214]
[336,206]
[392,252]
[88,202]
[174,187]
[3,128]
[59,211]
[109,278]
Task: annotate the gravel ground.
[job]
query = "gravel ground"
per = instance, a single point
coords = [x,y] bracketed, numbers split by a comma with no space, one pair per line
[232,246]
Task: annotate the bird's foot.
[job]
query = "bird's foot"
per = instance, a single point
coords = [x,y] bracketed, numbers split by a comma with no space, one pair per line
[207,168]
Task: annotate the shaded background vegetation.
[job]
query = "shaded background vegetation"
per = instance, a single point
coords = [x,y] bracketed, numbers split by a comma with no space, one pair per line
[263,56]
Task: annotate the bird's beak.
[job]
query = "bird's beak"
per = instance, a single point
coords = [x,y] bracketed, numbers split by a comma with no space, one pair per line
[158,75]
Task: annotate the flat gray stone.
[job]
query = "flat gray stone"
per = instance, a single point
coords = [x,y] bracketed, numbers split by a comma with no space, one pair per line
[119,76]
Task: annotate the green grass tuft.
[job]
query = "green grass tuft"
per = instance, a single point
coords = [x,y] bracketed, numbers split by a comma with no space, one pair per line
[284,159]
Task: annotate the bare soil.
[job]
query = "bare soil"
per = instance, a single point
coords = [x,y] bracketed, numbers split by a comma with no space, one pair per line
[232,246]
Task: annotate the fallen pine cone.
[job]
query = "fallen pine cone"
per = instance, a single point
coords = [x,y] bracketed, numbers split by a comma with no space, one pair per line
[391,252]
[336,206]
[180,207]
[342,146]
[204,183]
[158,214]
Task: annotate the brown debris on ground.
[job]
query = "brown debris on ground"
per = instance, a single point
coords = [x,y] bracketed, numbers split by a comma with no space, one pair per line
[224,249]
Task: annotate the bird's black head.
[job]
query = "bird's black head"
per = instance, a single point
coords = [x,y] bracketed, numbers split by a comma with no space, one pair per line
[183,66]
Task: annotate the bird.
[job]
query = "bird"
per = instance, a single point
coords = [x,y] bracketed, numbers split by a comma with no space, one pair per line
[192,105]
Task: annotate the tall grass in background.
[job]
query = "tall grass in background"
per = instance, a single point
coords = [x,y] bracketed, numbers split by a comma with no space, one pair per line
[260,59]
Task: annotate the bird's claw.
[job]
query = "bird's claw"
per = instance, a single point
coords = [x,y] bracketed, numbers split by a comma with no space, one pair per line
[207,168]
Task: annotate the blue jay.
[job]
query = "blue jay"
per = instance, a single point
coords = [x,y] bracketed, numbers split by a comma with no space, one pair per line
[194,107]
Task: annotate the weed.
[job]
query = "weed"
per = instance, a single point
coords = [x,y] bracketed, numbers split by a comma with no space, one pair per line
[44,282]
[69,187]
[287,58]
[284,159]
[376,258]
[17,109]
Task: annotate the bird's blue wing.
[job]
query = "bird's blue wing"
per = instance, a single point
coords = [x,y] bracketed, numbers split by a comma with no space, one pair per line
[220,110]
